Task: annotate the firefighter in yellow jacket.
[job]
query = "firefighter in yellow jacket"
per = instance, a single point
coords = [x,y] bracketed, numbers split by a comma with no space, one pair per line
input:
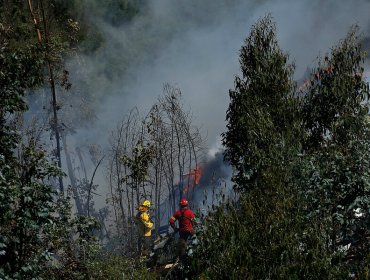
[145,228]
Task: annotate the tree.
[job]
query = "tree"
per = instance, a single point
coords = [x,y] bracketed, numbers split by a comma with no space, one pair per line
[178,147]
[122,142]
[336,94]
[334,178]
[265,235]
[261,128]
[25,199]
[148,160]
[301,162]
[29,212]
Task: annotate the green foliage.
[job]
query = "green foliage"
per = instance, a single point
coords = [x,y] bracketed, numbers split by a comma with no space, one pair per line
[72,242]
[248,242]
[20,70]
[260,103]
[335,102]
[138,163]
[29,216]
[302,164]
[27,213]
[335,186]
[17,27]
[26,201]
[117,267]
[334,177]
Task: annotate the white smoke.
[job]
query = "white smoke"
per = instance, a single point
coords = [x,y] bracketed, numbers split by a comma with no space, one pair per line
[195,46]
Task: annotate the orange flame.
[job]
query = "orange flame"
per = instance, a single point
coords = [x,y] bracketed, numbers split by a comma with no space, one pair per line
[319,75]
[194,178]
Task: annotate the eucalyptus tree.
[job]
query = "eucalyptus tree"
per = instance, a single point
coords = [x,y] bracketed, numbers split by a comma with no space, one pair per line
[335,179]
[26,197]
[29,210]
[301,160]
[262,130]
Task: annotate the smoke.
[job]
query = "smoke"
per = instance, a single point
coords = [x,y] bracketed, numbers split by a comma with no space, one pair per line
[213,187]
[195,46]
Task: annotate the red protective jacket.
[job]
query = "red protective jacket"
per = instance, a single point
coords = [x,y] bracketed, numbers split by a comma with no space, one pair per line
[186,219]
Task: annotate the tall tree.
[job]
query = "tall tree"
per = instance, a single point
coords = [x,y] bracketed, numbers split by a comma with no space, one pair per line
[336,96]
[29,215]
[178,149]
[334,178]
[25,198]
[260,129]
[149,158]
[303,161]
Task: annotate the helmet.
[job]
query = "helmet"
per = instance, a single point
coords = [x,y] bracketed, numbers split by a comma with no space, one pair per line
[184,202]
[146,203]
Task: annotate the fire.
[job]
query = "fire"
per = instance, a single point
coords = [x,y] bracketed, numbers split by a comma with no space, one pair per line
[193,178]
[320,74]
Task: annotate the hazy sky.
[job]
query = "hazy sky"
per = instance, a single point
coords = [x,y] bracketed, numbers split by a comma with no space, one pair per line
[195,46]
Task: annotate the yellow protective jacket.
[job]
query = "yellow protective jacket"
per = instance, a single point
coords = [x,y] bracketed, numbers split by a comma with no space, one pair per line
[145,224]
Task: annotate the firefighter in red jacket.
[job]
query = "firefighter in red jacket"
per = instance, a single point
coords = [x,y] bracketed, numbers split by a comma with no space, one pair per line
[186,220]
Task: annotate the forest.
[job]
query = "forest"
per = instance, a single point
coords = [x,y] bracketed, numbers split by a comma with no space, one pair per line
[287,196]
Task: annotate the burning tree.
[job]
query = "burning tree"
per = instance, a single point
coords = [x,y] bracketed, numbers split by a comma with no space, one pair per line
[193,179]
[153,158]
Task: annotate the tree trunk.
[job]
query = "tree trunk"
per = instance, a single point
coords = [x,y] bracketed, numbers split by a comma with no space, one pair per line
[72,177]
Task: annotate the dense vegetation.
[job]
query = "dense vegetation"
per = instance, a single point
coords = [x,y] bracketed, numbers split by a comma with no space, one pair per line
[39,236]
[301,159]
[300,155]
